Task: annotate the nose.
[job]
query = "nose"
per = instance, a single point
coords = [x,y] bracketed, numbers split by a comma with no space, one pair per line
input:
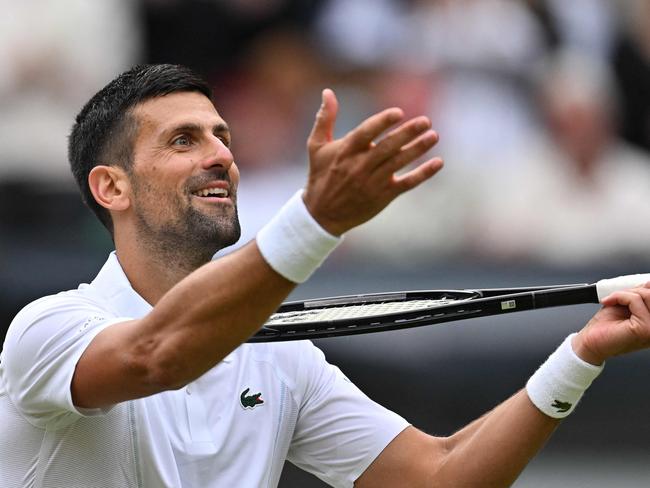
[217,155]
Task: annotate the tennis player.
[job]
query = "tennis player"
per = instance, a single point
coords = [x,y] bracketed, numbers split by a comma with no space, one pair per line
[142,378]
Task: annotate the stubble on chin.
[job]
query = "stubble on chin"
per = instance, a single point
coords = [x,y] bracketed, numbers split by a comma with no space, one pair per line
[188,240]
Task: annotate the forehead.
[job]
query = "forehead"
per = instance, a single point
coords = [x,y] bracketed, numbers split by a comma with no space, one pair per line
[159,114]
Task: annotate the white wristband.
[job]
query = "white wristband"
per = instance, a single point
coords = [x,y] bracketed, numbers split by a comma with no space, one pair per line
[559,383]
[293,243]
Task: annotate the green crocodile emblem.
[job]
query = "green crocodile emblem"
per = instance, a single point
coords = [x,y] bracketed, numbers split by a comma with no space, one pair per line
[561,407]
[250,401]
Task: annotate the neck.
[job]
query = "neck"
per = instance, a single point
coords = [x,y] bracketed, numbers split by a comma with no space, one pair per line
[153,268]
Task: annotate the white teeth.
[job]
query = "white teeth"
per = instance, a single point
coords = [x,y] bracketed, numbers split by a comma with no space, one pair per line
[214,192]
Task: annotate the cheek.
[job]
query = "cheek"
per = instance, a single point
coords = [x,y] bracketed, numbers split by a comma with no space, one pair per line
[153,192]
[234,174]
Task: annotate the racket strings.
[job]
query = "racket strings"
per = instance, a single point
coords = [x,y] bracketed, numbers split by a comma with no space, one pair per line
[346,312]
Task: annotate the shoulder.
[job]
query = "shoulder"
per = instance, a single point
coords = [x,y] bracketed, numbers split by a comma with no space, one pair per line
[42,347]
[79,297]
[57,309]
[53,323]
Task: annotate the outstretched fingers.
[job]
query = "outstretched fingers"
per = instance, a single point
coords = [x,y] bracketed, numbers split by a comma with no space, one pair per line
[361,138]
[353,178]
[404,135]
[410,152]
[418,175]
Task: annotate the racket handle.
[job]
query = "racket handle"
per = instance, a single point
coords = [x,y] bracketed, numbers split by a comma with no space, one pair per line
[560,297]
[609,286]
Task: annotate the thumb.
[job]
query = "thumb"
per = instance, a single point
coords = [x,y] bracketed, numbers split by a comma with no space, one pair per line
[323,130]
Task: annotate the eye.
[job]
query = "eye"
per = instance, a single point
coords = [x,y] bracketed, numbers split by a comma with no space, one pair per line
[224,138]
[182,140]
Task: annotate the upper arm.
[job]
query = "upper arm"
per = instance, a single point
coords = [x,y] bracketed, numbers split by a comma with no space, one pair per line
[41,351]
[66,353]
[410,460]
[115,366]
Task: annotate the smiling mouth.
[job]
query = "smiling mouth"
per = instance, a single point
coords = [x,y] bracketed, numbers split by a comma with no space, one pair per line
[212,192]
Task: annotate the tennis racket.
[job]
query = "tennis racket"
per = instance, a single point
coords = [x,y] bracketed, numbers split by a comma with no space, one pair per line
[376,312]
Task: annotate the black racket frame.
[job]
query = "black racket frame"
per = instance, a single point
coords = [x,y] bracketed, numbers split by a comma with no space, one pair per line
[477,303]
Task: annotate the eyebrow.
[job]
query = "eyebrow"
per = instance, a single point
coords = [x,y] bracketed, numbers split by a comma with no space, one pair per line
[219,128]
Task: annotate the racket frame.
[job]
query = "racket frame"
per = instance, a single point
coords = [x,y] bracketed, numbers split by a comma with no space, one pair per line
[474,303]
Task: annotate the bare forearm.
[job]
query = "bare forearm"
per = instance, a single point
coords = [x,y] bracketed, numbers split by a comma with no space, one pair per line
[193,327]
[490,452]
[211,312]
[493,450]
[497,447]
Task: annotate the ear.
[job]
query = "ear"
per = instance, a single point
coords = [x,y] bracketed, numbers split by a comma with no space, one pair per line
[110,187]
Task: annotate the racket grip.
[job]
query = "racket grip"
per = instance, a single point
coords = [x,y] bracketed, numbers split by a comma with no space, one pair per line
[608,286]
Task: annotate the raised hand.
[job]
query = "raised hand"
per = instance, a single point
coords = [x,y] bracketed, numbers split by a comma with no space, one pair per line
[621,326]
[353,178]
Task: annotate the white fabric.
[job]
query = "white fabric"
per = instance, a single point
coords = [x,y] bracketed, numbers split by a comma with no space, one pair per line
[293,243]
[606,287]
[197,436]
[559,383]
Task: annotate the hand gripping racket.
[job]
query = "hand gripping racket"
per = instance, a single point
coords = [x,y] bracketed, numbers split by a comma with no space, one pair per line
[375,312]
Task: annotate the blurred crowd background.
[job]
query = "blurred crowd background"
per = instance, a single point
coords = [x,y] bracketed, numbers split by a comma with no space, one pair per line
[543,111]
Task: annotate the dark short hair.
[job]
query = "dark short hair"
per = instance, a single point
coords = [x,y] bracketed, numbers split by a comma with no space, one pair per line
[105,129]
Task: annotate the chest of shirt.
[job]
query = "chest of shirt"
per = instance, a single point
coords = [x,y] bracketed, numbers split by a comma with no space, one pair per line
[236,413]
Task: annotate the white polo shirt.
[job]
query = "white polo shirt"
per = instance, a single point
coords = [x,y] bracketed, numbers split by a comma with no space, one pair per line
[233,426]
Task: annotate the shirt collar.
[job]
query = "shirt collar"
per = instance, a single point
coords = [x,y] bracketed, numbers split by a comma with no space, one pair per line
[112,283]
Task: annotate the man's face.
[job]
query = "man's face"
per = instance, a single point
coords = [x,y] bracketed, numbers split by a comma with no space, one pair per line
[183,176]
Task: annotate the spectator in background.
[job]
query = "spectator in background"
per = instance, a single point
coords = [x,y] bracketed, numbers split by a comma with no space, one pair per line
[479,96]
[482,53]
[631,62]
[259,57]
[475,72]
[213,36]
[269,98]
[568,199]
[364,33]
[449,59]
[52,57]
[588,26]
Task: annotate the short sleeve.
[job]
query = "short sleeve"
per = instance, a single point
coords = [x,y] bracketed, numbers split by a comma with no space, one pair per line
[340,431]
[40,353]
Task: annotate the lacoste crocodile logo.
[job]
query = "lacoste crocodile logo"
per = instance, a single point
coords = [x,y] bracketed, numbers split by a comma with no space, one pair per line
[250,401]
[561,407]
